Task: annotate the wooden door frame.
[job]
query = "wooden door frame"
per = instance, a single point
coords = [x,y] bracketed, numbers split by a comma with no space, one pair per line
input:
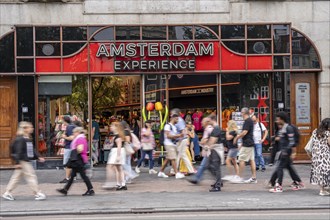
[305,129]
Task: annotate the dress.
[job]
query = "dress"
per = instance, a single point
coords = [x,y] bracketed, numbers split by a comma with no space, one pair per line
[320,173]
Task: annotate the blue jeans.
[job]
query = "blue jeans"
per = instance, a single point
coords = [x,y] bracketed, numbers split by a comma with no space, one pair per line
[258,156]
[197,149]
[151,160]
[202,167]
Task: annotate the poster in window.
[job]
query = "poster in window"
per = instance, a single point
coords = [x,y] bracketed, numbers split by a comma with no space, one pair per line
[303,111]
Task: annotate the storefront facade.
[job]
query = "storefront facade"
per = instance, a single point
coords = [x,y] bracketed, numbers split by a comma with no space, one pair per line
[208,67]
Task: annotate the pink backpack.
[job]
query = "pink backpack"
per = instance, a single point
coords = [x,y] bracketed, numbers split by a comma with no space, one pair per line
[135,142]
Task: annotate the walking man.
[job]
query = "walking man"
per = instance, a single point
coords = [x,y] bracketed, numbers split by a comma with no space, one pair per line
[260,134]
[22,151]
[286,139]
[170,137]
[246,152]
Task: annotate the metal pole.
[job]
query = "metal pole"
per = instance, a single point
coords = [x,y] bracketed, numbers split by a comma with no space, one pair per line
[90,109]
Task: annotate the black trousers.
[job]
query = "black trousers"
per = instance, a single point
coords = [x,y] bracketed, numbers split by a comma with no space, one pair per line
[82,172]
[273,153]
[213,164]
[284,162]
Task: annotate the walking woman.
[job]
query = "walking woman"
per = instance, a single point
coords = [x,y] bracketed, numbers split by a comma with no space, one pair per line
[77,161]
[117,155]
[148,145]
[231,161]
[320,173]
[22,151]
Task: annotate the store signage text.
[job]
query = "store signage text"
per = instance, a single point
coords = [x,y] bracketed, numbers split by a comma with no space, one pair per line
[159,50]
[197,91]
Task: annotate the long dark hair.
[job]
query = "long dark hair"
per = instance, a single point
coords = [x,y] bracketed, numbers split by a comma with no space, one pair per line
[324,126]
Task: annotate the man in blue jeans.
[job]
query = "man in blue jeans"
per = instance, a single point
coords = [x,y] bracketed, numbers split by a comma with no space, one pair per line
[259,136]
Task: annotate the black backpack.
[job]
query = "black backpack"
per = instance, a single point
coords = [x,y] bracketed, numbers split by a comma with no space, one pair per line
[162,136]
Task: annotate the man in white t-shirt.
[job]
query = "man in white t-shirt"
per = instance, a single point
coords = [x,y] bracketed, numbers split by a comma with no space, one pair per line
[259,136]
[170,139]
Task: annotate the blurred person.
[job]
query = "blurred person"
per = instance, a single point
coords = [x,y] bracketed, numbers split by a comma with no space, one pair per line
[95,140]
[68,136]
[148,145]
[78,160]
[129,173]
[193,140]
[170,138]
[22,151]
[286,139]
[320,169]
[260,134]
[246,152]
[231,161]
[135,127]
[182,143]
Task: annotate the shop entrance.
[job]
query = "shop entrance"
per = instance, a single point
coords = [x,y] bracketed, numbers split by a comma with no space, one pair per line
[114,98]
[8,118]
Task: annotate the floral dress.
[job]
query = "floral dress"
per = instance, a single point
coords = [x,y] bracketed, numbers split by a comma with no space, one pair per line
[320,173]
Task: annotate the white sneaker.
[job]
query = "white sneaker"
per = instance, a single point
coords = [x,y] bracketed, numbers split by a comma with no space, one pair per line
[179,175]
[227,177]
[276,189]
[8,196]
[324,193]
[172,171]
[251,180]
[237,179]
[152,171]
[137,170]
[40,196]
[163,175]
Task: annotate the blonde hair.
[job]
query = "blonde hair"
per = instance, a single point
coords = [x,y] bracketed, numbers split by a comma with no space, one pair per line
[21,127]
[120,130]
[232,126]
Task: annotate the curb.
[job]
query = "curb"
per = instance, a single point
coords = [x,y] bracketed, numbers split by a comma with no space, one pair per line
[149,210]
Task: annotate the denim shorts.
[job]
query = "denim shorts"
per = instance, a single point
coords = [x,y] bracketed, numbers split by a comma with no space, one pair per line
[232,153]
[66,156]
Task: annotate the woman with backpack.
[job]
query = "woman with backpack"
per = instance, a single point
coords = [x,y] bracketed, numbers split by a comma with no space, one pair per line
[320,172]
[148,145]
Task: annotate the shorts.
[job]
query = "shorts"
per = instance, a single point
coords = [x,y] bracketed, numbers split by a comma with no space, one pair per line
[232,153]
[171,152]
[246,154]
[66,156]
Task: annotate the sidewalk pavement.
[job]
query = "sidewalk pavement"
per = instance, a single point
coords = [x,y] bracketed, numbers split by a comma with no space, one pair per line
[148,194]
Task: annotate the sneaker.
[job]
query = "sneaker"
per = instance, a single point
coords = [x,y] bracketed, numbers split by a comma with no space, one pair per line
[227,178]
[137,170]
[40,196]
[163,175]
[324,193]
[179,175]
[297,186]
[65,180]
[237,179]
[152,171]
[276,189]
[263,169]
[257,168]
[128,181]
[89,193]
[193,181]
[270,164]
[215,189]
[251,180]
[172,171]
[8,196]
[63,191]
[193,162]
[121,188]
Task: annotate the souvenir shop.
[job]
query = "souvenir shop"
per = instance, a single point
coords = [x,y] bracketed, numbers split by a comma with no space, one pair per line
[140,72]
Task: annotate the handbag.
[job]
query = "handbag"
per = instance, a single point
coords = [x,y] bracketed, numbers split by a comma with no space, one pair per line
[309,146]
[147,146]
[128,148]
[75,160]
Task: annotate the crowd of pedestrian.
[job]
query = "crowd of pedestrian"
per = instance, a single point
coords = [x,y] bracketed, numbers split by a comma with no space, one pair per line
[179,141]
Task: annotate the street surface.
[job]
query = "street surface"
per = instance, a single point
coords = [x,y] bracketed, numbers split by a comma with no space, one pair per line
[157,196]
